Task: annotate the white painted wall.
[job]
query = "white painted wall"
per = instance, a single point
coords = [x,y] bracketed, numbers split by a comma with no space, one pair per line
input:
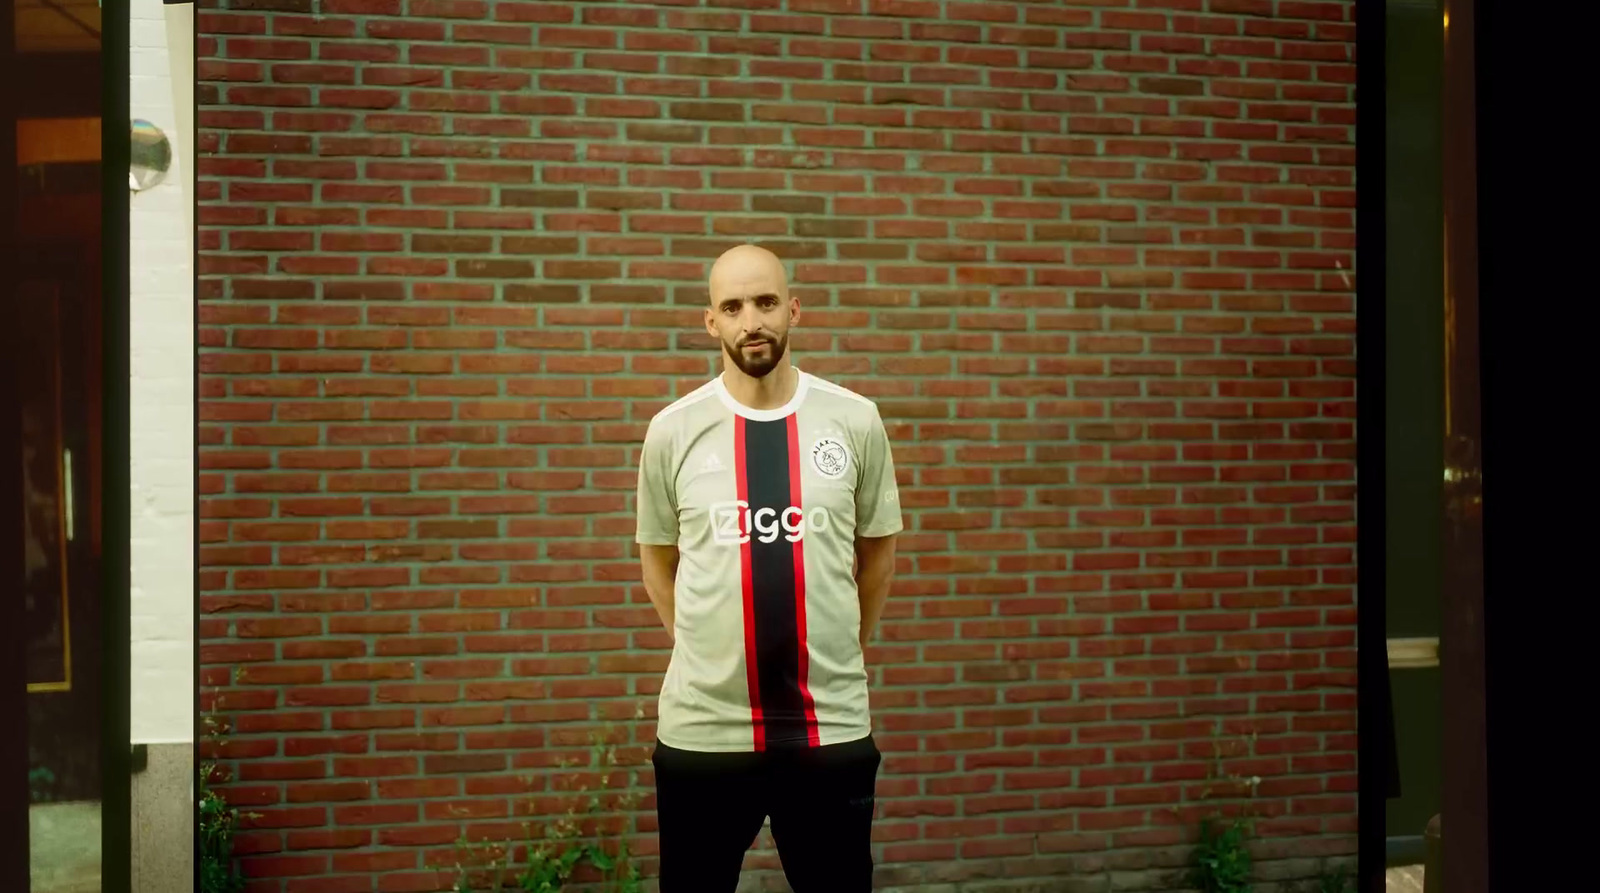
[162,351]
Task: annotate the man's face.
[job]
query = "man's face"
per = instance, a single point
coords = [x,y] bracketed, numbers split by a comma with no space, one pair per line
[751,312]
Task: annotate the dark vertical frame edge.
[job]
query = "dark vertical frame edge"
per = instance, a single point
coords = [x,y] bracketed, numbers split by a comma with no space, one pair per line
[1463,628]
[1372,665]
[1497,340]
[14,796]
[116,828]
[1534,243]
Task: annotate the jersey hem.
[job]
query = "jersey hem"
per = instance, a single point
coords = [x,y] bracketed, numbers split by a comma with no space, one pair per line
[723,747]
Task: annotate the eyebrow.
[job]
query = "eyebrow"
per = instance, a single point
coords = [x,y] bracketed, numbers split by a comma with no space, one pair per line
[756,297]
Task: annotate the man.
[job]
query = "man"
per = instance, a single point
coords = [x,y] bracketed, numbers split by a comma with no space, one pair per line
[767,515]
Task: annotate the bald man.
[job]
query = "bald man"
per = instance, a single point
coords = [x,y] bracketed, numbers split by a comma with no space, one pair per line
[767,516]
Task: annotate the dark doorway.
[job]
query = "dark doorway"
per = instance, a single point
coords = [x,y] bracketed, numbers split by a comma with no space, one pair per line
[55,409]
[1414,410]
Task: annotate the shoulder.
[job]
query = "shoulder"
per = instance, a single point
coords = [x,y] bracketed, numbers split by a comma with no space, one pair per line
[848,403]
[674,413]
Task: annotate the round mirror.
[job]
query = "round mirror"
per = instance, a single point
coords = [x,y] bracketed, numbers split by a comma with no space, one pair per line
[149,158]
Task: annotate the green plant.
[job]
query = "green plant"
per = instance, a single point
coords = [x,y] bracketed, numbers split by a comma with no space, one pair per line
[218,821]
[1221,863]
[555,853]
[219,872]
[44,785]
[41,785]
[1335,880]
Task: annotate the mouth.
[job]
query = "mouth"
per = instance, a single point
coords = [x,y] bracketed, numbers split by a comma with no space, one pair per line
[752,344]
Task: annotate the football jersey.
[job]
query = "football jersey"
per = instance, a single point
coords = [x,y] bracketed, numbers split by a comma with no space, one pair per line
[765,507]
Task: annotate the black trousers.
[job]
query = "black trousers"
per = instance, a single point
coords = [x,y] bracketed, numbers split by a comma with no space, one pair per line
[710,806]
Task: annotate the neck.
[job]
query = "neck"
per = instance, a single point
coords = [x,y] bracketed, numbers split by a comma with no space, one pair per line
[768,392]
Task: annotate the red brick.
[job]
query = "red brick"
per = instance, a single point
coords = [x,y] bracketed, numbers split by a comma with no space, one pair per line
[429,347]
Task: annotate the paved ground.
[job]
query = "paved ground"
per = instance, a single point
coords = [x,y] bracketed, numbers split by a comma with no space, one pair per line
[66,852]
[1403,880]
[64,840]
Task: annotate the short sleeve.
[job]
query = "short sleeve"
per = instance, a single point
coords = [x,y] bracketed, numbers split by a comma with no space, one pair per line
[657,503]
[877,493]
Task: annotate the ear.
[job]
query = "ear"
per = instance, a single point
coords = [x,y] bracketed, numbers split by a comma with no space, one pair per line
[794,310]
[711,328]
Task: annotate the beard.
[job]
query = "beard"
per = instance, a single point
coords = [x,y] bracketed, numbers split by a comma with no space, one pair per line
[757,363]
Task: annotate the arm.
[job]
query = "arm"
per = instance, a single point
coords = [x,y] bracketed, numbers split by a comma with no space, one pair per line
[656,530]
[660,567]
[878,522]
[874,571]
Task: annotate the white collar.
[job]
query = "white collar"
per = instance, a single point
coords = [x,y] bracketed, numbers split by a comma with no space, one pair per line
[765,415]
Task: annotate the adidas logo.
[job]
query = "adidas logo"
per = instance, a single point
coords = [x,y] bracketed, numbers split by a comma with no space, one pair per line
[712,465]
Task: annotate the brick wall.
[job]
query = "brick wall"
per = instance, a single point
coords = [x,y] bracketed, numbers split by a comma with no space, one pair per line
[1092,260]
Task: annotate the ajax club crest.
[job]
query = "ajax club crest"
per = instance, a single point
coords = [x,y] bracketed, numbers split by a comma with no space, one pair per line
[830,458]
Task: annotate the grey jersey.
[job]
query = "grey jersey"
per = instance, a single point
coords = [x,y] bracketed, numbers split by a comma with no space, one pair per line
[765,507]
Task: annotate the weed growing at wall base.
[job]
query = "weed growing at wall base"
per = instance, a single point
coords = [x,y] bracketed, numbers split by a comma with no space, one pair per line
[1334,880]
[1221,861]
[559,849]
[219,871]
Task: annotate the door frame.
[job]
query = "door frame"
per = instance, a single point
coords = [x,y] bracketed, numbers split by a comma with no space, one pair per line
[1464,763]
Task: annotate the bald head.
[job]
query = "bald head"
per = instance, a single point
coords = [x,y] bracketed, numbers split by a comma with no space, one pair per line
[751,310]
[747,271]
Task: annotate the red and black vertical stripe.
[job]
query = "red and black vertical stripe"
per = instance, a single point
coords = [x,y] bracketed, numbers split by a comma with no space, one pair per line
[767,461]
